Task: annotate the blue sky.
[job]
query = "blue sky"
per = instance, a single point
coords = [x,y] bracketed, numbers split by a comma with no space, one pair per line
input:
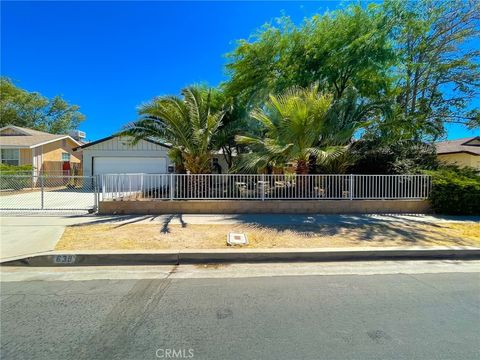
[109,57]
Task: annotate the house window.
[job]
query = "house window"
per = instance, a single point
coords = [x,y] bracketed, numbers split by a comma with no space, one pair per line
[10,156]
[65,157]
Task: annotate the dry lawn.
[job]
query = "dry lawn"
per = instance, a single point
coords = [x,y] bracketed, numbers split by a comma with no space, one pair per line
[158,237]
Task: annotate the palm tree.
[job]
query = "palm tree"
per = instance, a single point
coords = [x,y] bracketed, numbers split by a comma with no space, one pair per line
[345,116]
[294,123]
[189,124]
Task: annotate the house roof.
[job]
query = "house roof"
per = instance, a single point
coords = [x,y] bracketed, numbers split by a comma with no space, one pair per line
[469,145]
[114,136]
[28,138]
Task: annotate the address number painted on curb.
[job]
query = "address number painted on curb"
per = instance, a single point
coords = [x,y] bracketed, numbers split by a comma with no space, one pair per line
[64,259]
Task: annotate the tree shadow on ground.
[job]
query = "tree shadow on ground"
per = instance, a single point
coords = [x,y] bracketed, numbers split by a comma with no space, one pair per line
[166,223]
[360,229]
[357,229]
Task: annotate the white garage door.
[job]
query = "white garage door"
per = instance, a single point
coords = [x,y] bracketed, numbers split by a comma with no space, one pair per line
[129,165]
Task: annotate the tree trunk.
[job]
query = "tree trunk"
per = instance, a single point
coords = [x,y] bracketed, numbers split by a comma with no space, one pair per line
[312,164]
[302,167]
[227,154]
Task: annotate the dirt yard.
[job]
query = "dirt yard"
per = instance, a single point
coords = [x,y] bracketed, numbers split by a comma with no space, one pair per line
[193,236]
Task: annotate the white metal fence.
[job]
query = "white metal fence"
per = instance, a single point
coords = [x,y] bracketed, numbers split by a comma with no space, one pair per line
[48,192]
[262,187]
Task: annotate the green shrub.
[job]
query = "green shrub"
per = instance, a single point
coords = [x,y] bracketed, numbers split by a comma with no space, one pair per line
[10,176]
[455,191]
[373,156]
[6,169]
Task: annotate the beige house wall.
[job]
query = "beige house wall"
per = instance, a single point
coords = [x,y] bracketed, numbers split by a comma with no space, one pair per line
[271,206]
[461,159]
[48,157]
[50,152]
[26,157]
[54,150]
[51,155]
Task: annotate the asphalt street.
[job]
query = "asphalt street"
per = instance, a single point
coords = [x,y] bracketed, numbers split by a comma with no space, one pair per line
[355,316]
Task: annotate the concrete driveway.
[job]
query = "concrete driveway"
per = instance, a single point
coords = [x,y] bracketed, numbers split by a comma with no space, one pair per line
[21,236]
[68,200]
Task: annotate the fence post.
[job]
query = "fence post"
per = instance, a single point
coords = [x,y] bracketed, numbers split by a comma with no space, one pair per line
[171,187]
[42,189]
[350,187]
[263,187]
[102,184]
[93,186]
[97,182]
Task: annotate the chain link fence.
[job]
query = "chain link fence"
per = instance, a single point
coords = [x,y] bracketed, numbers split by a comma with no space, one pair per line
[47,192]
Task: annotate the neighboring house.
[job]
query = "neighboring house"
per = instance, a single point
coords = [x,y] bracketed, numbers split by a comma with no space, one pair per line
[462,152]
[47,153]
[117,155]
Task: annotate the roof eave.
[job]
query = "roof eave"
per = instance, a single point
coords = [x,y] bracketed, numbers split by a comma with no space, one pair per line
[470,140]
[15,128]
[53,140]
[14,146]
[457,152]
[81,147]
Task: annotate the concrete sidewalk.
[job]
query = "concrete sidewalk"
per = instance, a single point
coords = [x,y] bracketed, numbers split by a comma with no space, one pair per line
[274,219]
[28,235]
[23,236]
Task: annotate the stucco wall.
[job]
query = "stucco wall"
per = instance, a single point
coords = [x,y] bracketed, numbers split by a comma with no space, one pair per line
[222,162]
[461,159]
[53,151]
[26,157]
[272,206]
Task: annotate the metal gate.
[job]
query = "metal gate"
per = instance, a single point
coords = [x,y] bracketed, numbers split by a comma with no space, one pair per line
[48,192]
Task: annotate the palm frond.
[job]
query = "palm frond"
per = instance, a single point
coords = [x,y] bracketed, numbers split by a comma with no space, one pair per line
[188,123]
[293,123]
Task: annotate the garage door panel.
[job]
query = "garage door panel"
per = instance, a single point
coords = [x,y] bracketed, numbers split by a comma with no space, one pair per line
[126,165]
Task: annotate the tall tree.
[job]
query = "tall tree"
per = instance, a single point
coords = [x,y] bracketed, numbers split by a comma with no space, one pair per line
[342,48]
[438,69]
[188,123]
[32,110]
[421,57]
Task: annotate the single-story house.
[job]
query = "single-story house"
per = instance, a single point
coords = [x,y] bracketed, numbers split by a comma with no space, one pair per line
[462,152]
[47,153]
[117,155]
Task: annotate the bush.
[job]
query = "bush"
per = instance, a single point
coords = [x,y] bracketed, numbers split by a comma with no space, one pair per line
[372,156]
[6,169]
[455,191]
[10,180]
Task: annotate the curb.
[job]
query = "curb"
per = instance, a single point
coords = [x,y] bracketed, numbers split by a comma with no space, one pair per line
[241,256]
[328,255]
